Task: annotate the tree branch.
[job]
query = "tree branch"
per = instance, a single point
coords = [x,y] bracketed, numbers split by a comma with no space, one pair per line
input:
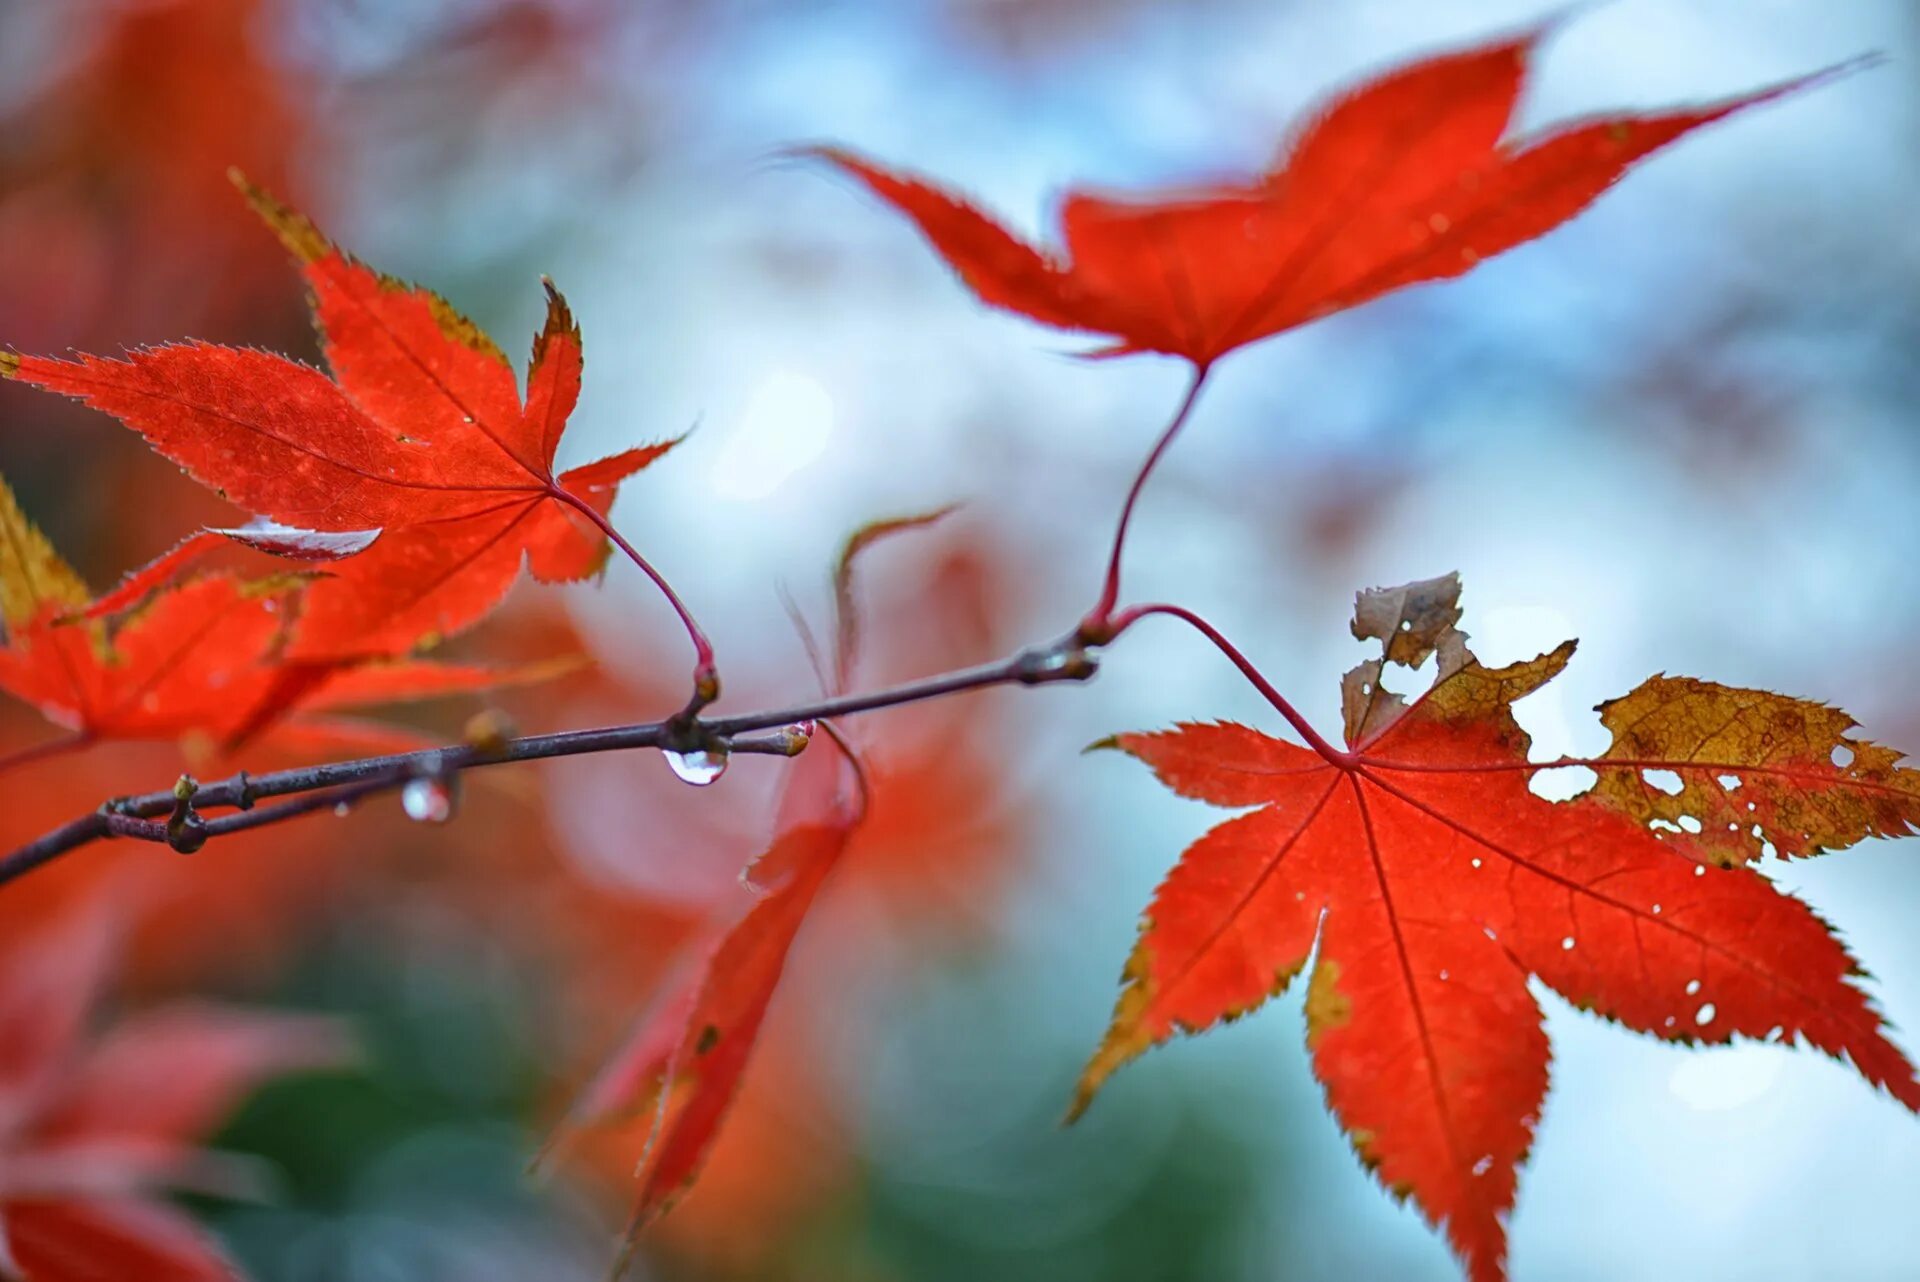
[340,783]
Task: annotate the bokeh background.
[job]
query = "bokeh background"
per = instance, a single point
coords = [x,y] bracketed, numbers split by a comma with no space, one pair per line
[1682,428]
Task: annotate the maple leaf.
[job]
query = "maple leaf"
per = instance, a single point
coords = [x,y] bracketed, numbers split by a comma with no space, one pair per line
[92,1134]
[1409,177]
[421,434]
[199,660]
[1428,882]
[686,1060]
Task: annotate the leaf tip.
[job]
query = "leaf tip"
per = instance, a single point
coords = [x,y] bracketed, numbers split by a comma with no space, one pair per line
[295,230]
[1111,743]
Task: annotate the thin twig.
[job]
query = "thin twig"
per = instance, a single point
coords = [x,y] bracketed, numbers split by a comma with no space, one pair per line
[344,782]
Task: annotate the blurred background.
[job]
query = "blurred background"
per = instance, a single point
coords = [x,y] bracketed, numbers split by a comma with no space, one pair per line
[1682,428]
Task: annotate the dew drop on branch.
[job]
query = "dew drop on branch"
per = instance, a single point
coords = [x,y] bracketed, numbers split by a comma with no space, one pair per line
[699,767]
[427,800]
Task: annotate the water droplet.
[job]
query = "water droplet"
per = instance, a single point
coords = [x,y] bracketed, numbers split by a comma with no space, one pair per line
[1704,1015]
[699,767]
[1566,944]
[428,800]
[1693,986]
[1445,975]
[342,809]
[1668,1022]
[1439,222]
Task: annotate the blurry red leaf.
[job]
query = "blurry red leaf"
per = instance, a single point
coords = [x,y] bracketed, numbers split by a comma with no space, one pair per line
[88,1135]
[1410,177]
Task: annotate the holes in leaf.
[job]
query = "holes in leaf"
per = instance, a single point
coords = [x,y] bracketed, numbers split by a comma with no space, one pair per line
[1561,783]
[1699,870]
[1693,986]
[1566,944]
[1704,1015]
[1476,861]
[1690,824]
[1842,755]
[1484,1165]
[1665,780]
[1729,782]
[1656,910]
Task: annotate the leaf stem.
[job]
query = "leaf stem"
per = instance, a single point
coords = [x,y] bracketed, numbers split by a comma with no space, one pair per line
[1098,626]
[706,676]
[1133,614]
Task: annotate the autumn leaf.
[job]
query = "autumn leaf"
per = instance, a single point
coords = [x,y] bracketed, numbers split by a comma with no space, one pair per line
[199,660]
[1427,883]
[687,1058]
[1409,177]
[421,434]
[92,1134]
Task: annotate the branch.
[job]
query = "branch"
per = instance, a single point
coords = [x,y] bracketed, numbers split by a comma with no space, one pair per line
[343,783]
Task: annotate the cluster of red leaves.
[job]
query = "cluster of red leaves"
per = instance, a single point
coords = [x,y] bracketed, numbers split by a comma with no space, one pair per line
[94,1132]
[200,661]
[1416,866]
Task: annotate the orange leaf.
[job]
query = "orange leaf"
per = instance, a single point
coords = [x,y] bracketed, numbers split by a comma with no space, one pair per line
[1409,177]
[421,434]
[1428,883]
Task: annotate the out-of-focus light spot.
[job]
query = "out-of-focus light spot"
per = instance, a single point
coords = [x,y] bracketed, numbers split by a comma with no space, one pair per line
[784,426]
[1717,1080]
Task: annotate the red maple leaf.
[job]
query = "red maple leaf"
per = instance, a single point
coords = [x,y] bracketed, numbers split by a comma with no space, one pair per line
[688,1057]
[93,1134]
[421,434]
[1409,177]
[1428,882]
[199,660]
